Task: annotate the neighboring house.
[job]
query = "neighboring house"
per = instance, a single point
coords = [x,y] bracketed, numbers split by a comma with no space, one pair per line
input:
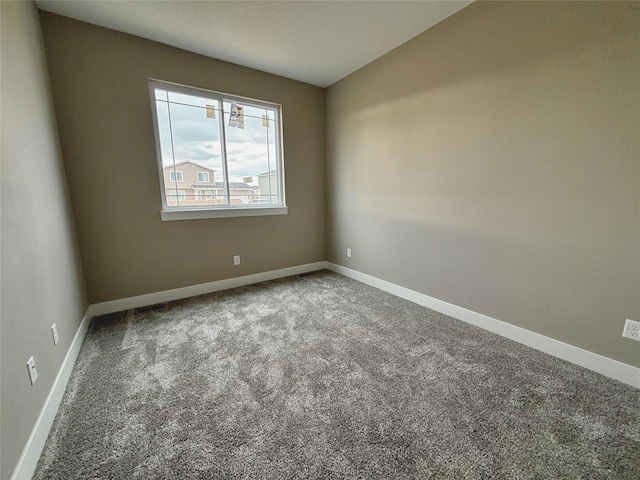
[191,183]
[268,186]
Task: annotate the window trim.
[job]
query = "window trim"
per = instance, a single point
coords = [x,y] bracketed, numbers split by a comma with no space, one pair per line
[200,213]
[218,211]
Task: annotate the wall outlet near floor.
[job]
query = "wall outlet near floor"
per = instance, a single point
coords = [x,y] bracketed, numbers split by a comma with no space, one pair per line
[631,330]
[54,332]
[236,259]
[33,371]
[349,252]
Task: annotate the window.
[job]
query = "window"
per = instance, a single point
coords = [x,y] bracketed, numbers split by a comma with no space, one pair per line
[175,176]
[232,144]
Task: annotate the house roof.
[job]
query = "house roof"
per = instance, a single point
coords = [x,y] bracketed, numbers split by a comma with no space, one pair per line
[199,165]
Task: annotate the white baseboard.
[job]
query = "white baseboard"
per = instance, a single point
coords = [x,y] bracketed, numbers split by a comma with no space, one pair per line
[201,289]
[606,366]
[32,450]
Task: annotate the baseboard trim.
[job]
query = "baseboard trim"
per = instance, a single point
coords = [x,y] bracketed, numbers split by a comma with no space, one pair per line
[33,449]
[606,366]
[201,289]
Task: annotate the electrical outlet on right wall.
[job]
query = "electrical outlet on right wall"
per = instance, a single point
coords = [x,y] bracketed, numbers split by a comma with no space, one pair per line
[631,330]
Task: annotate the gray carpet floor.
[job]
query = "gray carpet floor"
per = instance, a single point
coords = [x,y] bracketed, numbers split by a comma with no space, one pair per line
[320,376]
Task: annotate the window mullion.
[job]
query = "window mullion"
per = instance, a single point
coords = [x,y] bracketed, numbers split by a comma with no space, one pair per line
[223,153]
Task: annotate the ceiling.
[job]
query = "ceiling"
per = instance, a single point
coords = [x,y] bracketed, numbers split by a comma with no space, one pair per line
[317,42]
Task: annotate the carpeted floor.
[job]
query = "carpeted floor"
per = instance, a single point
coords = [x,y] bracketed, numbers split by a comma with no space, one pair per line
[319,376]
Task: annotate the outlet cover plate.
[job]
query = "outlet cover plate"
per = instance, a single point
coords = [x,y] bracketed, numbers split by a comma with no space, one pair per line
[33,371]
[54,332]
[631,330]
[236,259]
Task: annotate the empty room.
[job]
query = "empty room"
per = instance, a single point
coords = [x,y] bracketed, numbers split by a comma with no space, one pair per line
[320,239]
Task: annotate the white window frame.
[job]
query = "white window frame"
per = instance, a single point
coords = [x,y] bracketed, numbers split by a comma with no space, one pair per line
[198,177]
[189,212]
[175,175]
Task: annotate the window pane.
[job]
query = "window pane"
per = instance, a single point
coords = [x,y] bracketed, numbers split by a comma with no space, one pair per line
[252,157]
[189,132]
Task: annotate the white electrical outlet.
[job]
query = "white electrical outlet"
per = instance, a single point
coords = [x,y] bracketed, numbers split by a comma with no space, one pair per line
[54,332]
[631,330]
[236,259]
[33,371]
[349,252]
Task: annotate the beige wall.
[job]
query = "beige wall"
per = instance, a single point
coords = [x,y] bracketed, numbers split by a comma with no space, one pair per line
[41,277]
[493,162]
[99,82]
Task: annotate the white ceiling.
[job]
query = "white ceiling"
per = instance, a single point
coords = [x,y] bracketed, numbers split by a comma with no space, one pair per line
[317,42]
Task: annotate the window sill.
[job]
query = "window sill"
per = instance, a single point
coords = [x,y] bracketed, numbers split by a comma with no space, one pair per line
[195,214]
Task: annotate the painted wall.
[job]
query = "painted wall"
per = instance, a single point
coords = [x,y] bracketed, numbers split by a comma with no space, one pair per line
[99,82]
[493,162]
[41,276]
